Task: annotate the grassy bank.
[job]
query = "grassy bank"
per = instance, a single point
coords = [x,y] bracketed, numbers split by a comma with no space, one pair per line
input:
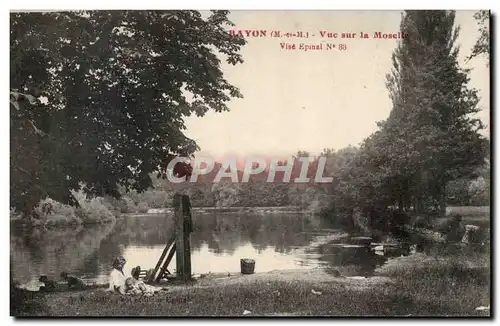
[417,285]
[468,211]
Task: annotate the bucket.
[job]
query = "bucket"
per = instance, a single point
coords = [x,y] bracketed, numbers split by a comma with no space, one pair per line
[247,266]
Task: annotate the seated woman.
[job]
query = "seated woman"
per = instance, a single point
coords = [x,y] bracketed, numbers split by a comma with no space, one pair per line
[117,278]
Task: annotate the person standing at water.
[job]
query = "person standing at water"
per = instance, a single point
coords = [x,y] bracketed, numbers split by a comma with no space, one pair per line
[117,277]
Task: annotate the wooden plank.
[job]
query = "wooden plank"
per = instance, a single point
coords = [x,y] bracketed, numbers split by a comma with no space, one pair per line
[165,265]
[187,258]
[179,234]
[188,228]
[186,209]
[170,255]
[160,261]
[163,254]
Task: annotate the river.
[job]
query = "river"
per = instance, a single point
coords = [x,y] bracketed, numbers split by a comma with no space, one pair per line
[219,241]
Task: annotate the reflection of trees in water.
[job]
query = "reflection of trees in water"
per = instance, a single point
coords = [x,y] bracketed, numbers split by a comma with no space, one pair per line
[361,260]
[223,233]
[143,230]
[151,230]
[89,251]
[226,232]
[226,236]
[36,252]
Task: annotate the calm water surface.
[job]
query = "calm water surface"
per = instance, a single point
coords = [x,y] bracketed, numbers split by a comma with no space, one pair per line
[275,241]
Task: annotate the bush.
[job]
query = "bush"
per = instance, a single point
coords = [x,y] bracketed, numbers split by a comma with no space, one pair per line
[361,221]
[422,222]
[453,229]
[94,210]
[51,213]
[15,215]
[59,220]
[127,205]
[54,214]
[316,206]
[154,199]
[142,207]
[113,205]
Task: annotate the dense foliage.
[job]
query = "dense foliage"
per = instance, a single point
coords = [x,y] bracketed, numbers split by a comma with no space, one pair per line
[482,45]
[112,89]
[431,138]
[117,86]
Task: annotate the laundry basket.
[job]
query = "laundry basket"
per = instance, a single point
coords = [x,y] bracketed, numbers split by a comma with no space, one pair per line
[247,266]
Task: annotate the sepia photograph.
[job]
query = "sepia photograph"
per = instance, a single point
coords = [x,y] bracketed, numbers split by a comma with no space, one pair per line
[250,163]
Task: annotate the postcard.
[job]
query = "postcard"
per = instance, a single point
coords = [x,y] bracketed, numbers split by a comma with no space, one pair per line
[168,163]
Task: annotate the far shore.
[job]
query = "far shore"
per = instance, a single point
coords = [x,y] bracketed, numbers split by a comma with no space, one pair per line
[234,209]
[468,211]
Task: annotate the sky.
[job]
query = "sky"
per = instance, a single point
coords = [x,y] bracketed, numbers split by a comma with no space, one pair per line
[296,100]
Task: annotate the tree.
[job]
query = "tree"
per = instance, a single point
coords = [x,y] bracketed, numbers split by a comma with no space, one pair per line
[431,136]
[26,153]
[482,45]
[473,191]
[225,194]
[338,198]
[116,87]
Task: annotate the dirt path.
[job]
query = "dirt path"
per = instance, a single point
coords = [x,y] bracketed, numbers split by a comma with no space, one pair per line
[316,276]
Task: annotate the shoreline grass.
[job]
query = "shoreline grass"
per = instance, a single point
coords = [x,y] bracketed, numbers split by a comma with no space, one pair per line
[434,288]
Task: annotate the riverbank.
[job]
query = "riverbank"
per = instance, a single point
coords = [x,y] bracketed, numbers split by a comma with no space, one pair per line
[416,285]
[206,210]
[100,210]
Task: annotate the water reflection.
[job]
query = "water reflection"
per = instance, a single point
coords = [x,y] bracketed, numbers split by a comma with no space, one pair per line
[49,252]
[275,241]
[349,260]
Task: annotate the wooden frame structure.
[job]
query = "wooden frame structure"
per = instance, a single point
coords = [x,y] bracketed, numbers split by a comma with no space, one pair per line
[178,243]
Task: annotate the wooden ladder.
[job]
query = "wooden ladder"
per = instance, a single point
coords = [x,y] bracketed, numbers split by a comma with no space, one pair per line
[163,264]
